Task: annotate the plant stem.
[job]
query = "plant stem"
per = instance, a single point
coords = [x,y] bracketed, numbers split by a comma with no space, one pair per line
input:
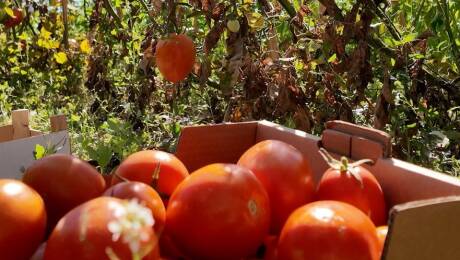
[288,7]
[112,12]
[66,23]
[419,12]
[444,6]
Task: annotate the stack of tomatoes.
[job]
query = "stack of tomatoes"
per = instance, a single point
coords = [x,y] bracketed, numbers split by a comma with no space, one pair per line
[264,207]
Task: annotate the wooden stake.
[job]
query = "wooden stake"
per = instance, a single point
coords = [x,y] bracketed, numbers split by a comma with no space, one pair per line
[58,123]
[20,123]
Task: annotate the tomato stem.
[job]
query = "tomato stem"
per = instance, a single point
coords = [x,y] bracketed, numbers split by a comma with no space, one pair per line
[344,166]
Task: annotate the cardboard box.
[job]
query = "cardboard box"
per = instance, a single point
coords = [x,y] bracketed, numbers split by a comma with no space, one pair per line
[425,217]
[18,141]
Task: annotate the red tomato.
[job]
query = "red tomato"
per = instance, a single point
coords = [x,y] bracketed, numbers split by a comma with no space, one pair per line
[355,185]
[64,182]
[146,195]
[286,175]
[40,253]
[163,171]
[102,227]
[220,211]
[16,20]
[382,235]
[168,249]
[327,230]
[175,57]
[271,243]
[22,220]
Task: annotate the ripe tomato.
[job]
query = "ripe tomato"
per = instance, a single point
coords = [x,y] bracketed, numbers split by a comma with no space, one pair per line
[64,182]
[270,244]
[175,57]
[163,171]
[220,211]
[286,175]
[104,228]
[22,220]
[326,230]
[382,235]
[39,253]
[16,20]
[355,185]
[146,195]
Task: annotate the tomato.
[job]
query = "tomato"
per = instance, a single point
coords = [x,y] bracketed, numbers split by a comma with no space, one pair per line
[286,175]
[175,57]
[355,185]
[146,195]
[220,211]
[40,253]
[168,249]
[382,236]
[270,244]
[104,228]
[327,230]
[22,220]
[163,171]
[64,182]
[16,20]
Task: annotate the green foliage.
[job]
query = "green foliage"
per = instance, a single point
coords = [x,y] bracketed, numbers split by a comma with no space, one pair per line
[298,67]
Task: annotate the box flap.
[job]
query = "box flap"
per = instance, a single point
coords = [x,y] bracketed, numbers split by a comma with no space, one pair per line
[18,154]
[424,230]
[404,182]
[224,143]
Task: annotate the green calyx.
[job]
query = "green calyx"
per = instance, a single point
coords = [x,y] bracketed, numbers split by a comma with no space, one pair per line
[344,166]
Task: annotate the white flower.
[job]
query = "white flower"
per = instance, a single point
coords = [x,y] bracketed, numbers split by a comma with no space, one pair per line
[130,224]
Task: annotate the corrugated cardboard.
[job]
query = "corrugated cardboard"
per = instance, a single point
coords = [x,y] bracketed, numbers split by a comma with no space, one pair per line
[413,226]
[17,143]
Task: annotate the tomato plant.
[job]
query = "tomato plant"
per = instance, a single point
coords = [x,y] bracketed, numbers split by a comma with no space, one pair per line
[163,171]
[15,20]
[175,57]
[326,230]
[64,182]
[104,228]
[146,195]
[220,211]
[353,184]
[22,220]
[286,175]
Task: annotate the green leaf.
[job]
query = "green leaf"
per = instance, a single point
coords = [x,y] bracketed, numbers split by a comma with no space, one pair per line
[411,125]
[332,58]
[408,38]
[39,152]
[60,57]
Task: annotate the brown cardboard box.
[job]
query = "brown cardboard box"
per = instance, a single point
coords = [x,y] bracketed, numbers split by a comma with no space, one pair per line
[18,141]
[425,219]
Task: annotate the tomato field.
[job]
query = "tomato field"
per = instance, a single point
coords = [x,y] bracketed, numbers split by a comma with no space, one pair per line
[388,64]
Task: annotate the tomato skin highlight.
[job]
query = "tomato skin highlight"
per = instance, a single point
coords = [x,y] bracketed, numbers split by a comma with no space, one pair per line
[64,182]
[220,211]
[327,230]
[22,220]
[84,234]
[175,57]
[142,165]
[382,232]
[286,176]
[368,196]
[146,195]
